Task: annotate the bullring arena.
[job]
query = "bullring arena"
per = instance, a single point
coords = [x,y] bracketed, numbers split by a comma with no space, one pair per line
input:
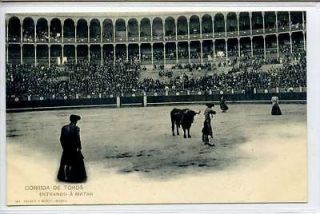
[124,74]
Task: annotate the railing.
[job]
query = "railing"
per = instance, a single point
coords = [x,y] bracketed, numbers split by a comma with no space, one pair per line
[159,60]
[195,60]
[28,60]
[42,40]
[244,32]
[207,35]
[14,39]
[296,27]
[14,60]
[183,60]
[232,54]
[95,40]
[195,36]
[146,57]
[145,38]
[133,38]
[42,59]
[53,60]
[71,59]
[257,31]
[82,58]
[55,40]
[270,30]
[183,37]
[170,38]
[120,39]
[82,40]
[158,38]
[283,28]
[271,50]
[95,61]
[258,52]
[170,60]
[146,62]
[299,48]
[69,40]
[245,52]
[28,40]
[219,34]
[232,34]
[108,40]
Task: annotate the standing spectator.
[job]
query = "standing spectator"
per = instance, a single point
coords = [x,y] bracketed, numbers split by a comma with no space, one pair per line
[223,105]
[275,106]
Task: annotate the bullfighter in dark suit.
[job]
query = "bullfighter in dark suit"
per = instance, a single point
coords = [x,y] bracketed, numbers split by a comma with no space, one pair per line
[72,167]
[207,128]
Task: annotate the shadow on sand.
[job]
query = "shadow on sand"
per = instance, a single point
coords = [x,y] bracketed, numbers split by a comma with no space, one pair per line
[175,159]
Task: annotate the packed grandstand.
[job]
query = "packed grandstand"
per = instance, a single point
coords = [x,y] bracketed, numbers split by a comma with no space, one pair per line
[94,57]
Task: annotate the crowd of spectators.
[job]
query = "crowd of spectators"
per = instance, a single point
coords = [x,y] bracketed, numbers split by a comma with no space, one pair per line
[123,77]
[290,75]
[71,79]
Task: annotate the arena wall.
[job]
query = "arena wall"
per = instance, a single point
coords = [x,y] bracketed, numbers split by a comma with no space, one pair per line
[291,97]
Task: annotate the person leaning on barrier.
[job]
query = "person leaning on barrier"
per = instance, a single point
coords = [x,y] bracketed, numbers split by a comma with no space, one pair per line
[275,106]
[72,167]
[223,105]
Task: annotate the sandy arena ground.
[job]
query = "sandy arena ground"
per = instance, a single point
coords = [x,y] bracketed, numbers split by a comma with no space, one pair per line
[131,157]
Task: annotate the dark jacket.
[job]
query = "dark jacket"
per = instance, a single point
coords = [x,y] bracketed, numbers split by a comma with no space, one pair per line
[72,167]
[70,138]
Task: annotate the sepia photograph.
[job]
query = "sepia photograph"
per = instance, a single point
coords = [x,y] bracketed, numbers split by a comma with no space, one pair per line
[156,107]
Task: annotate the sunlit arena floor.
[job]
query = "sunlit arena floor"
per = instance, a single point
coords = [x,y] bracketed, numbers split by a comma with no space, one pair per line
[132,157]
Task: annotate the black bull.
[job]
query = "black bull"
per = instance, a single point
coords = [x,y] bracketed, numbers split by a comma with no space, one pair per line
[183,117]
